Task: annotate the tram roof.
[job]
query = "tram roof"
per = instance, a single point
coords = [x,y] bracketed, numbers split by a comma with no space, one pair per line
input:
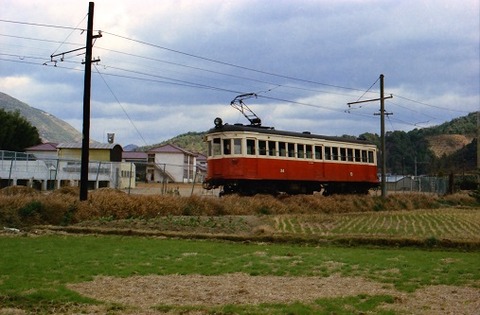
[271,130]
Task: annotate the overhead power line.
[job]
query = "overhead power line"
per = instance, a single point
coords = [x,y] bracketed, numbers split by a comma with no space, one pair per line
[167,80]
[207,59]
[429,105]
[121,106]
[229,64]
[42,25]
[73,30]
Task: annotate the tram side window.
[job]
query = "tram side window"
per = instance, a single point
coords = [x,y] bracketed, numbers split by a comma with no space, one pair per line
[357,156]
[334,153]
[343,154]
[318,152]
[216,146]
[364,156]
[237,146]
[262,147]
[291,150]
[370,157]
[251,146]
[271,148]
[328,153]
[350,154]
[308,151]
[301,151]
[227,146]
[282,148]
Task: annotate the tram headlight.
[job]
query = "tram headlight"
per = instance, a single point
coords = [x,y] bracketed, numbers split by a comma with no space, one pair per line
[218,122]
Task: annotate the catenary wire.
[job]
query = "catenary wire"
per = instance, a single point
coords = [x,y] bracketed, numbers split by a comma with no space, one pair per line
[215,61]
[121,106]
[195,85]
[226,63]
[70,34]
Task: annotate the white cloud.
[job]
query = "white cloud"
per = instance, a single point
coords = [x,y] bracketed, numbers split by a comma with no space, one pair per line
[428,51]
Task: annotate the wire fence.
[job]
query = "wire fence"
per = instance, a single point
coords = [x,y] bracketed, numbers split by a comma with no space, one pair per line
[422,184]
[47,172]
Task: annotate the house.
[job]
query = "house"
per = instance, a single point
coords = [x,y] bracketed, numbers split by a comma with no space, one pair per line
[140,160]
[201,167]
[97,151]
[105,164]
[170,163]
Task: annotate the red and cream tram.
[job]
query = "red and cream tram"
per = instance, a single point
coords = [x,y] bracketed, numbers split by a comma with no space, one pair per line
[251,159]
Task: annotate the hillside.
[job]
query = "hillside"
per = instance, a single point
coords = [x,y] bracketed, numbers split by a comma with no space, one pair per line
[465,125]
[190,141]
[445,145]
[50,128]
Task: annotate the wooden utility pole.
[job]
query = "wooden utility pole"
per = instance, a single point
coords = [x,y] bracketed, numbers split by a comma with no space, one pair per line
[86,105]
[382,137]
[383,156]
[478,149]
[86,99]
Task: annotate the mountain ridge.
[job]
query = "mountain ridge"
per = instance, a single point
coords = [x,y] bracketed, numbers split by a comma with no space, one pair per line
[50,128]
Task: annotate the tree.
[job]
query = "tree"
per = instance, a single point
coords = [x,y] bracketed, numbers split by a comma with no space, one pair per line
[16,133]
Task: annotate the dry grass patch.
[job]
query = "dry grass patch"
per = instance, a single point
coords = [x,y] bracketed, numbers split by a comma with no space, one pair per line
[144,293]
[440,299]
[236,288]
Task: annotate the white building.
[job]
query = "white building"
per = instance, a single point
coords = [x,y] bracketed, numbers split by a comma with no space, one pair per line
[49,166]
[170,163]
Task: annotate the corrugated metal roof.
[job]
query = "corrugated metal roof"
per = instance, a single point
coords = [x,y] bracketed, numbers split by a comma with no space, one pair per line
[49,146]
[201,157]
[170,148]
[137,155]
[92,146]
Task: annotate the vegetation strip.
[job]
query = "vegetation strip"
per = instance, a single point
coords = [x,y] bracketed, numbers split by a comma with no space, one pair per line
[431,242]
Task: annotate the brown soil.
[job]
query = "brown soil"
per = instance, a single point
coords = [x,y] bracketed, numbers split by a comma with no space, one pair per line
[140,294]
[447,144]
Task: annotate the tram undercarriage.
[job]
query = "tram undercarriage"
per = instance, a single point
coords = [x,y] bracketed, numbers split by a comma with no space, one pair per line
[271,187]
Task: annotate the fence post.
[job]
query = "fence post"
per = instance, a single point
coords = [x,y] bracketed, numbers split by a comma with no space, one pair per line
[10,172]
[130,178]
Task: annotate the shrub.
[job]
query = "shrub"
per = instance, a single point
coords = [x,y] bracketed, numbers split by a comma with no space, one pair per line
[31,213]
[22,206]
[432,241]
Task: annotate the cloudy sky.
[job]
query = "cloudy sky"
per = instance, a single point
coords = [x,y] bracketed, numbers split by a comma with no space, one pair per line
[169,66]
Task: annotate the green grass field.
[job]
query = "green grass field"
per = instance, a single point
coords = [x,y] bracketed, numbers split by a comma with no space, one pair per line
[125,254]
[35,271]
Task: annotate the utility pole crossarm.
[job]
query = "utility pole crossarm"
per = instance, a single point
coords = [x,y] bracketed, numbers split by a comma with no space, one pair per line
[76,49]
[370,100]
